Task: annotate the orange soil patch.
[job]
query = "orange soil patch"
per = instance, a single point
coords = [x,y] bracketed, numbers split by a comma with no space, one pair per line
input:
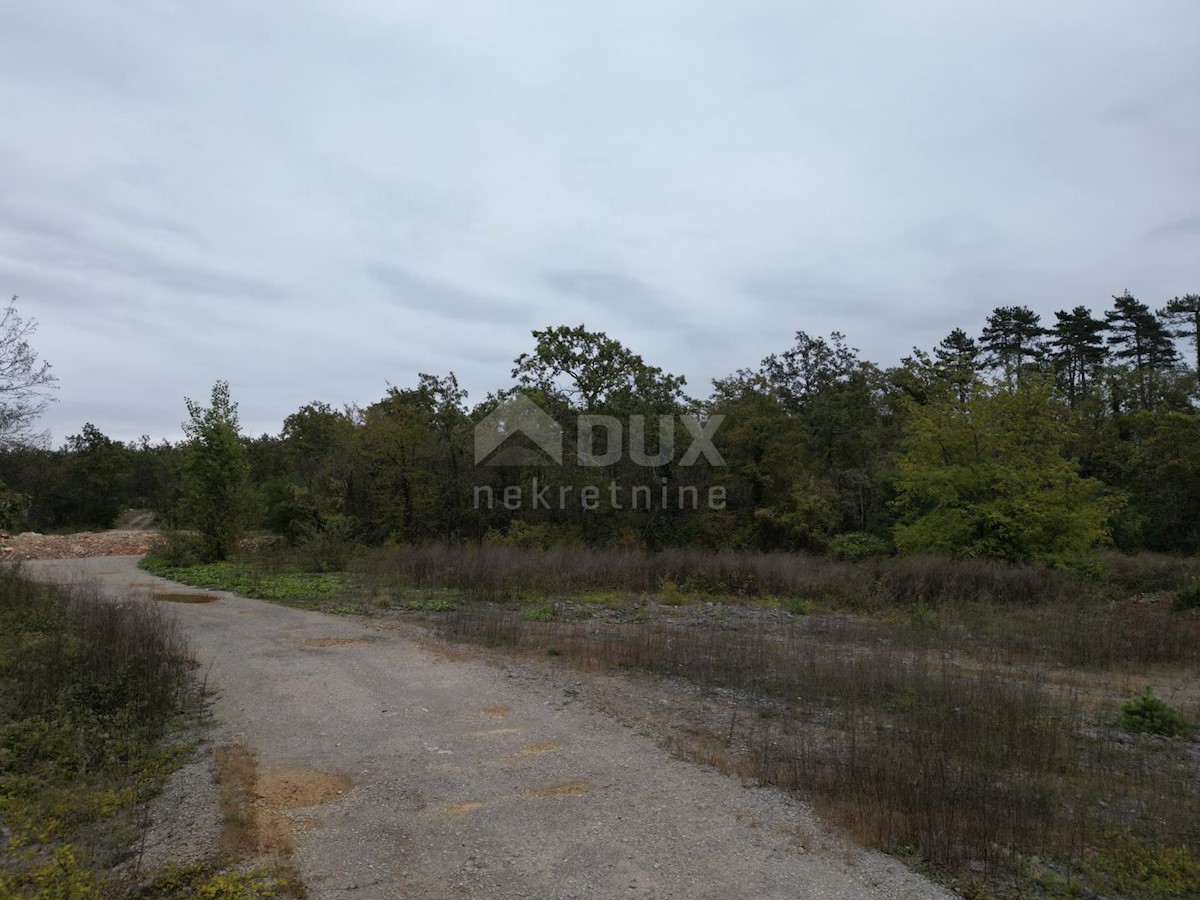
[495,711]
[463,808]
[496,732]
[560,790]
[295,787]
[253,803]
[537,748]
[336,642]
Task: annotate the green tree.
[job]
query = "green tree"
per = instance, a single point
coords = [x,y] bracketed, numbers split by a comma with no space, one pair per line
[156,478]
[415,444]
[989,478]
[1184,314]
[217,496]
[591,370]
[321,459]
[97,473]
[1013,341]
[958,362]
[1144,343]
[1078,352]
[804,441]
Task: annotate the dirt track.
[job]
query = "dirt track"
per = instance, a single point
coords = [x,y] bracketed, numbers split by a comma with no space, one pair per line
[438,775]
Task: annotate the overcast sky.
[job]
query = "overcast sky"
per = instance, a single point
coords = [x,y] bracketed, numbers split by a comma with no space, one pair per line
[313,200]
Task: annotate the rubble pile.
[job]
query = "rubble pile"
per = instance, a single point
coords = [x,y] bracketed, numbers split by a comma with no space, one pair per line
[31,545]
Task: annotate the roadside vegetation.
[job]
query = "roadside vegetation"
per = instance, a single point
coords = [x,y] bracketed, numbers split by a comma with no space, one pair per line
[96,701]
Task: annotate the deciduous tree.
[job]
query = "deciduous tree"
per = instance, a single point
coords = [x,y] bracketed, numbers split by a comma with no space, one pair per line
[217,495]
[989,478]
[26,383]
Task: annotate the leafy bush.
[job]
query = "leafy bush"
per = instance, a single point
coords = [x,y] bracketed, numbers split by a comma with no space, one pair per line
[179,548]
[1188,597]
[545,611]
[799,606]
[1147,714]
[523,535]
[13,508]
[327,549]
[858,545]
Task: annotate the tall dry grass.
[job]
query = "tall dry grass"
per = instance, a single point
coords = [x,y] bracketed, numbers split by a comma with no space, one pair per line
[498,572]
[971,767]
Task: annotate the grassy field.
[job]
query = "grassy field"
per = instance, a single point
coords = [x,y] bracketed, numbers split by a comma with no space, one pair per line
[985,722]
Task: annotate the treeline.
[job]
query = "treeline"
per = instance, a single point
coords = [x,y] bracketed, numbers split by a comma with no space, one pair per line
[1028,440]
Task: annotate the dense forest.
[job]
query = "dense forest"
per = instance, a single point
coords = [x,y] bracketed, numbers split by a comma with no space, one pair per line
[1030,440]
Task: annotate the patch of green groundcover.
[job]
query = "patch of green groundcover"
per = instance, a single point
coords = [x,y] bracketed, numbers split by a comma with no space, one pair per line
[310,590]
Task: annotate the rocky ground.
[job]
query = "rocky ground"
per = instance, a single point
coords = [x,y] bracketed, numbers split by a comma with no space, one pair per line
[31,545]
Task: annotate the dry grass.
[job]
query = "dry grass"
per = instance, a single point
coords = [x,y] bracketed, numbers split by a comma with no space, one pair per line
[494,572]
[919,738]
[237,771]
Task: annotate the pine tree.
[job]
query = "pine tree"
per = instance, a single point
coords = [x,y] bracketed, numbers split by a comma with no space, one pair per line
[957,361]
[1144,342]
[1078,351]
[1012,339]
[1184,313]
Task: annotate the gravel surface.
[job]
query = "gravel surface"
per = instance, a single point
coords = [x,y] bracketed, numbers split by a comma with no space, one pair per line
[32,545]
[464,778]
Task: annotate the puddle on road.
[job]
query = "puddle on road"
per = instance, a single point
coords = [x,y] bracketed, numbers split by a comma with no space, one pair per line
[181,597]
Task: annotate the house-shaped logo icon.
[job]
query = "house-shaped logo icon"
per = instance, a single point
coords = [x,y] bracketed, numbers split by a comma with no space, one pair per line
[518,415]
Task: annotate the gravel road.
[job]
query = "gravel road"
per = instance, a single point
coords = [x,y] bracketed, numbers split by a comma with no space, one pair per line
[462,779]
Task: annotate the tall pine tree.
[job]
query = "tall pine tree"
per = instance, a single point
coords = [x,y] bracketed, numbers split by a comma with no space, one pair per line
[1144,343]
[1077,351]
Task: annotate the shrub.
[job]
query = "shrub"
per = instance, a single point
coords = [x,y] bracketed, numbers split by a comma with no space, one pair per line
[521,534]
[328,549]
[1188,597]
[859,545]
[1147,714]
[179,549]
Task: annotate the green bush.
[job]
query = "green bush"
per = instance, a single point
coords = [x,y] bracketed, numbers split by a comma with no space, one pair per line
[327,549]
[13,508]
[179,549]
[521,534]
[1147,714]
[859,545]
[1188,597]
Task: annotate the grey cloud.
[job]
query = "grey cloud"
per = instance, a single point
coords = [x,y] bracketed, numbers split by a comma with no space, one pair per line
[1187,226]
[315,201]
[439,298]
[638,303]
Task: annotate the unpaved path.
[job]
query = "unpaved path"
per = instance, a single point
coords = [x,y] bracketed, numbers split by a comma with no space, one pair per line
[458,779]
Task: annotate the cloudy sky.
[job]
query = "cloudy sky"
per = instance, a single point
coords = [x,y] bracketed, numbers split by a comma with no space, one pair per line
[313,200]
